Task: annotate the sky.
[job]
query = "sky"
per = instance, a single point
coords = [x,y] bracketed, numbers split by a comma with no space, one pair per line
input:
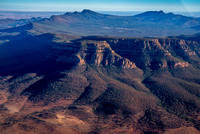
[101,5]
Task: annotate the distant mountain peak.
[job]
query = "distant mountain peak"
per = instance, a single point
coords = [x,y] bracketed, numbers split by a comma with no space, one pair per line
[84,12]
[161,11]
[87,11]
[155,12]
[152,13]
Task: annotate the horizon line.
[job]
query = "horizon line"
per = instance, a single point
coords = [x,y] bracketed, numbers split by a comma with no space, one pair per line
[92,10]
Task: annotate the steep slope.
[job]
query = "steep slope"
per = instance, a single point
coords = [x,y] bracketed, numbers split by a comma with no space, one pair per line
[155,53]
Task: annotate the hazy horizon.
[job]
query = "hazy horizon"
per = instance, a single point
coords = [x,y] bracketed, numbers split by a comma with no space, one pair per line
[13,14]
[14,10]
[103,5]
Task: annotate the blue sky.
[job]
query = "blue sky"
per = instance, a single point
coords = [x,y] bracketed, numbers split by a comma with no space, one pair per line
[101,5]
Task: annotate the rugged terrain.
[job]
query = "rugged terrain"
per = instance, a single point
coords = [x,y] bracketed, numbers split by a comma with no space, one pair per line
[54,82]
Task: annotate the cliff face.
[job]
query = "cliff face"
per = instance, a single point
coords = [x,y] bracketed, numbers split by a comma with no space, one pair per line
[130,53]
[100,53]
[91,52]
[157,53]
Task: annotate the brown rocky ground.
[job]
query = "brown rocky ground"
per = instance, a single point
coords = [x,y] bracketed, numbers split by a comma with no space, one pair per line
[99,85]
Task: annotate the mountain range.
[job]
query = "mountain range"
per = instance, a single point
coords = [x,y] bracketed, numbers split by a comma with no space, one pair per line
[10,23]
[86,72]
[147,24]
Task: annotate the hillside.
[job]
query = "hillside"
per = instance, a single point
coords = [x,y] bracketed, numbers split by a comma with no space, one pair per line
[61,83]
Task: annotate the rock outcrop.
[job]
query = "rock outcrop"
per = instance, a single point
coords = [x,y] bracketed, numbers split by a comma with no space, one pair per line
[155,53]
[90,52]
[100,53]
[129,53]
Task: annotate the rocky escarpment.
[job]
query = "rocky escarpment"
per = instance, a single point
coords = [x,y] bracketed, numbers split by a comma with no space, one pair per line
[100,53]
[91,52]
[157,53]
[130,52]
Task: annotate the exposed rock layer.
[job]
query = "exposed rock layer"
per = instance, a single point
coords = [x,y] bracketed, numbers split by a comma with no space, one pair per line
[130,53]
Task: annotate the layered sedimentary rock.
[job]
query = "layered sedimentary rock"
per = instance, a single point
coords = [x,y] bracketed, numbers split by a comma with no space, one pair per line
[129,53]
[91,52]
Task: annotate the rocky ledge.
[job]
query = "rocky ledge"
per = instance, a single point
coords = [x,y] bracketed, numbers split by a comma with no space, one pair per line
[129,53]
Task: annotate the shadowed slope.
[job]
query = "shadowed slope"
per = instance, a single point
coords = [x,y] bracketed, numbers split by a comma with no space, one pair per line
[98,84]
